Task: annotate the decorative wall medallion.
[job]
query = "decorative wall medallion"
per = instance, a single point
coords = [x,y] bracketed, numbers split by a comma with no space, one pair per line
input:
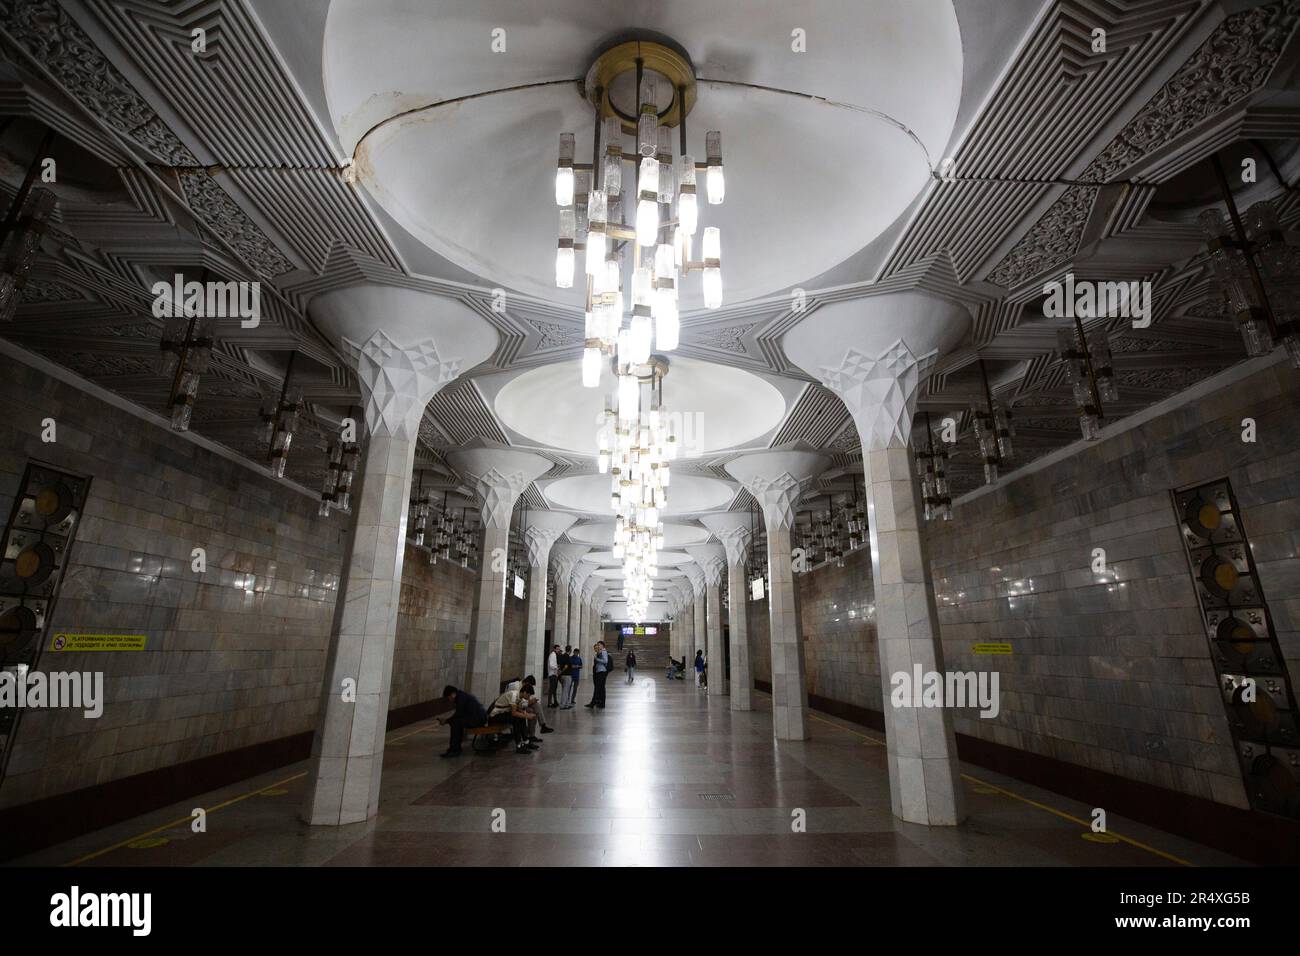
[1257,693]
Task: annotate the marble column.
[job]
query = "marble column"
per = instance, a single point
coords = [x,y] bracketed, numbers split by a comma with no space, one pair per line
[711,559]
[695,574]
[875,358]
[589,635]
[499,474]
[404,346]
[776,479]
[733,531]
[544,527]
[576,580]
[565,557]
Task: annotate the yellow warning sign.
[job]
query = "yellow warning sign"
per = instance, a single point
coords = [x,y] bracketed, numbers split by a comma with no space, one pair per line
[994,648]
[459,646]
[98,642]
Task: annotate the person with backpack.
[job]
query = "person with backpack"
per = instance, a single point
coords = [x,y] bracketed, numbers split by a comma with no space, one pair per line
[630,663]
[699,668]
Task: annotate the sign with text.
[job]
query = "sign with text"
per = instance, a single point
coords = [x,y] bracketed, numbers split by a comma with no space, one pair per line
[63,641]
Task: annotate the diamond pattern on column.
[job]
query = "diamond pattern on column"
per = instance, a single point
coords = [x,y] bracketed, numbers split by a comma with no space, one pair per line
[777,497]
[397,382]
[539,541]
[880,392]
[499,491]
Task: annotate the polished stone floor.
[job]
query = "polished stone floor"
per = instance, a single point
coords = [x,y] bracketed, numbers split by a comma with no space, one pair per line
[665,776]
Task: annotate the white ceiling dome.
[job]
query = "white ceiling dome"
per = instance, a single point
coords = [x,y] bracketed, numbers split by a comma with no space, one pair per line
[711,407]
[687,494]
[414,87]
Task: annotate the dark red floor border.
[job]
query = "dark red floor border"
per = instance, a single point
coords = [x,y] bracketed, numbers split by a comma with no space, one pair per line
[1246,834]
[33,826]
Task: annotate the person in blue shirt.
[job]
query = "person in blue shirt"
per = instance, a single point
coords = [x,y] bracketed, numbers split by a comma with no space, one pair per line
[599,674]
[575,672]
[699,668]
[466,712]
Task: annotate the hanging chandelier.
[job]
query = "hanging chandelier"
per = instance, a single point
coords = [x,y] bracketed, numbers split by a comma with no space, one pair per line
[932,466]
[639,90]
[635,446]
[1089,370]
[993,430]
[1256,270]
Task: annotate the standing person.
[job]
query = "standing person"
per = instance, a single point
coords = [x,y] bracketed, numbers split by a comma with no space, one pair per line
[630,663]
[575,673]
[467,712]
[566,675]
[599,673]
[699,668]
[552,676]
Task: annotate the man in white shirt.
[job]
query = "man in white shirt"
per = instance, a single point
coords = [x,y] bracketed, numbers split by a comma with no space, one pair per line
[553,676]
[509,707]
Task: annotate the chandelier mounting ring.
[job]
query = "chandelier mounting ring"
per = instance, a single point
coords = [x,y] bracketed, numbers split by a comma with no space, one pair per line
[610,84]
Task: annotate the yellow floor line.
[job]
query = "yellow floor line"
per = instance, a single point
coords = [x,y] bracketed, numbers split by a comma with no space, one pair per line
[184,821]
[1033,803]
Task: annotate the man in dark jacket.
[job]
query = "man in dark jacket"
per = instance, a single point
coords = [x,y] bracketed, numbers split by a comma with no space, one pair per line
[466,712]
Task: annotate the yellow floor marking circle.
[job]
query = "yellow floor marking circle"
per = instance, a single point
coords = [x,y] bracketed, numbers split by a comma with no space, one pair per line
[1099,837]
[274,792]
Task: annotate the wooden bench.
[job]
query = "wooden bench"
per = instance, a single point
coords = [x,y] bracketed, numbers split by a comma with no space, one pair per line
[482,741]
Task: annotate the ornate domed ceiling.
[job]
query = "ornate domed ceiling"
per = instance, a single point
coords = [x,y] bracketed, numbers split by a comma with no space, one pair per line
[823,149]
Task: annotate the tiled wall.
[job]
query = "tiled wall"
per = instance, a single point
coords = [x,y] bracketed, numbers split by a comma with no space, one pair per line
[516,632]
[1113,671]
[1110,672]
[235,656]
[432,620]
[838,618]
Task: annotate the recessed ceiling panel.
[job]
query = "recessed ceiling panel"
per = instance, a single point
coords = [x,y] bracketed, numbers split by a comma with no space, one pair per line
[686,495]
[710,407]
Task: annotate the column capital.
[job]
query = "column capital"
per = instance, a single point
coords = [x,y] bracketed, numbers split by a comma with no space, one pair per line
[405,344]
[397,381]
[778,477]
[733,531]
[544,529]
[499,475]
[565,556]
[695,574]
[880,391]
[712,561]
[589,588]
[581,571]
[875,352]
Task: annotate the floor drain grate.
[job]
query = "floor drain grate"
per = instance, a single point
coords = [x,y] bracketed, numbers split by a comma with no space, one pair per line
[717,796]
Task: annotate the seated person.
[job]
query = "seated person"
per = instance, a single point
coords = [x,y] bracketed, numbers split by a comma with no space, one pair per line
[466,712]
[509,708]
[672,668]
[536,713]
